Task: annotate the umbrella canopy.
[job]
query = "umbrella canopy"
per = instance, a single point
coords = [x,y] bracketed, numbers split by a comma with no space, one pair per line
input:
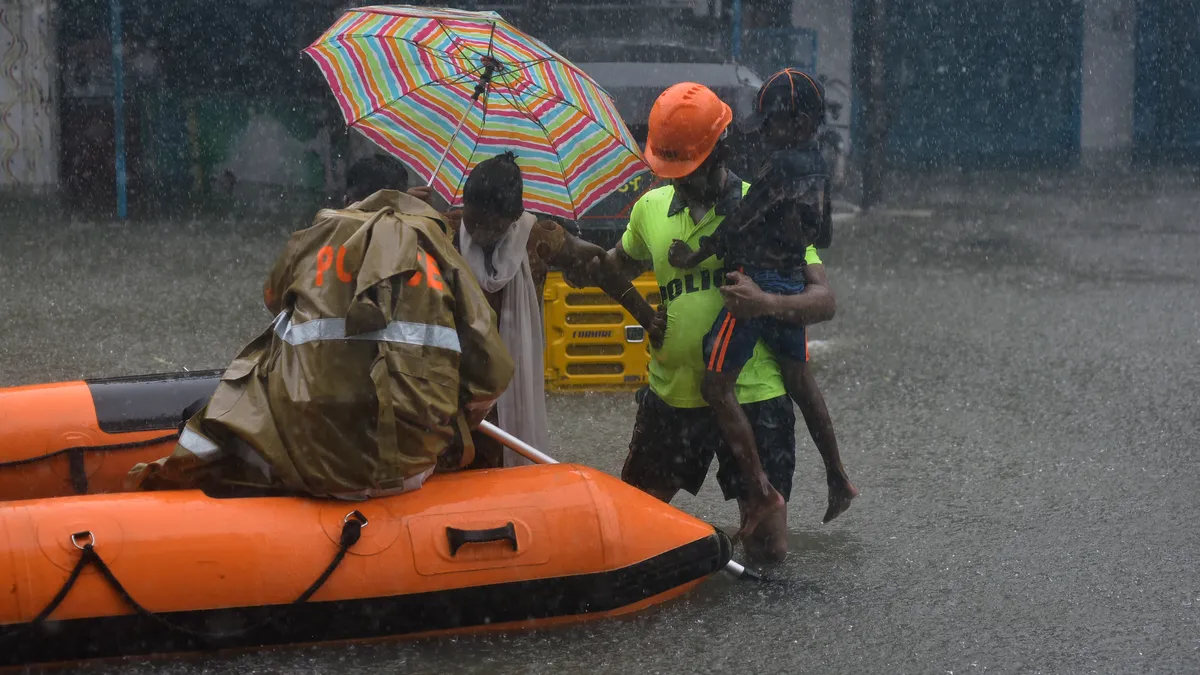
[429,85]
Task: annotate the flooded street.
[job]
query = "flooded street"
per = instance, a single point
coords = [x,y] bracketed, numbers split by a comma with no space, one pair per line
[1014,372]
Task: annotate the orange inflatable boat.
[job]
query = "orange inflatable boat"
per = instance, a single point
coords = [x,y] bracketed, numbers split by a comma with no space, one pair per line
[74,438]
[102,575]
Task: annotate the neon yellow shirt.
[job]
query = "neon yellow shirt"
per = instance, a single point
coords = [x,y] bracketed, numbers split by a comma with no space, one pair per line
[692,299]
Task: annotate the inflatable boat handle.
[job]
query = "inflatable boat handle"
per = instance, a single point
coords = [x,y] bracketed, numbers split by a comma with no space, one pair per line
[456,537]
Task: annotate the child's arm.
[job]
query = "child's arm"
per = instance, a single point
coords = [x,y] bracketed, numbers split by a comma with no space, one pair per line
[815,304]
[754,204]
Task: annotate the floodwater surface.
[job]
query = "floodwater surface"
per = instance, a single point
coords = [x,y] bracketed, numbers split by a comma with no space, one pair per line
[1015,379]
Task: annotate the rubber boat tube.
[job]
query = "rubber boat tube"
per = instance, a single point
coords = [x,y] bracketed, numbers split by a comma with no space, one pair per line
[105,575]
[142,573]
[71,438]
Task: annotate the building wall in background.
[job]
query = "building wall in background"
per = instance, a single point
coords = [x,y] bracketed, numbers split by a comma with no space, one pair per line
[834,25]
[1106,90]
[1108,65]
[28,96]
[982,86]
[1166,120]
[220,104]
[161,46]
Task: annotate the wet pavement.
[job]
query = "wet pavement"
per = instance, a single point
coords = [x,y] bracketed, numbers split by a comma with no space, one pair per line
[1015,380]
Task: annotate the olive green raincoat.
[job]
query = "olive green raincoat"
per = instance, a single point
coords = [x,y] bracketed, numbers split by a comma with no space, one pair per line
[382,339]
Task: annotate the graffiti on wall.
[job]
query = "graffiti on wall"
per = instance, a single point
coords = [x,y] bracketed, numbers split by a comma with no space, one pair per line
[28,156]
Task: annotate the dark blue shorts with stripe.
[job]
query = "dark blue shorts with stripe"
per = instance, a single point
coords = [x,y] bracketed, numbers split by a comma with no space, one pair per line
[730,342]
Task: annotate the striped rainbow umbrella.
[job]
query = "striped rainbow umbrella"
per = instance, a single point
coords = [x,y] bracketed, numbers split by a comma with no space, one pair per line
[445,89]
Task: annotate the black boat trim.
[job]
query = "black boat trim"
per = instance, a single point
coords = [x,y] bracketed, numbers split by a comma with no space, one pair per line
[557,597]
[148,402]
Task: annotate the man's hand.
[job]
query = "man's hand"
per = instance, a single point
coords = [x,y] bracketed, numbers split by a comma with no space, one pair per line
[585,251]
[477,412]
[658,328]
[594,267]
[578,277]
[422,192]
[616,262]
[680,255]
[743,298]
[585,263]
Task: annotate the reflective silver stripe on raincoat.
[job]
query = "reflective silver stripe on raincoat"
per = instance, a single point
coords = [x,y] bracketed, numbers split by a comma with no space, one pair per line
[207,451]
[199,445]
[403,332]
[250,456]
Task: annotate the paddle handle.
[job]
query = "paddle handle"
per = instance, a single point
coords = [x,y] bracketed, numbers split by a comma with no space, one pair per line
[517,445]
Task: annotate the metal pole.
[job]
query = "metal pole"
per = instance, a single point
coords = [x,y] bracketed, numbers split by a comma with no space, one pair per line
[519,446]
[735,43]
[739,571]
[481,90]
[874,111]
[118,61]
[453,136]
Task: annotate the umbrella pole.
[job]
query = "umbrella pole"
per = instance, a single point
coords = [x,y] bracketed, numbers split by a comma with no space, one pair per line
[480,90]
[442,159]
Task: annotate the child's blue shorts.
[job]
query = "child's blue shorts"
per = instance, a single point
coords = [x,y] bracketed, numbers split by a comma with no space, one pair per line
[730,343]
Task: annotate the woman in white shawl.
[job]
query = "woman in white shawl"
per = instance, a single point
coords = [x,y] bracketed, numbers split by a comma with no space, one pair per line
[510,252]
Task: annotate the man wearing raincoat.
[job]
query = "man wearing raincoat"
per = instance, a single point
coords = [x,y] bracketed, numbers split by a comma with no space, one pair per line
[383,351]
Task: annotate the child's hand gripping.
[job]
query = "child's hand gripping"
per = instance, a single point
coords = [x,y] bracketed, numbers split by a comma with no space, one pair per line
[680,255]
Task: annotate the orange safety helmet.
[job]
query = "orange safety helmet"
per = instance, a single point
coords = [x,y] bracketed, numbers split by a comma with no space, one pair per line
[686,122]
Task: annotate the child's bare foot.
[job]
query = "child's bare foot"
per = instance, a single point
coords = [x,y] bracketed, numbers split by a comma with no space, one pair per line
[840,496]
[758,510]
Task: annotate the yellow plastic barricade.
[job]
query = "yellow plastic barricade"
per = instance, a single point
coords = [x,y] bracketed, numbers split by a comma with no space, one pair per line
[592,343]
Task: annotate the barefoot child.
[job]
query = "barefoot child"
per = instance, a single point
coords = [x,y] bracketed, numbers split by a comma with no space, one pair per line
[786,210]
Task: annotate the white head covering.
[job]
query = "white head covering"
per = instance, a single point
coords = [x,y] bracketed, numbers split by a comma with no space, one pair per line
[522,407]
